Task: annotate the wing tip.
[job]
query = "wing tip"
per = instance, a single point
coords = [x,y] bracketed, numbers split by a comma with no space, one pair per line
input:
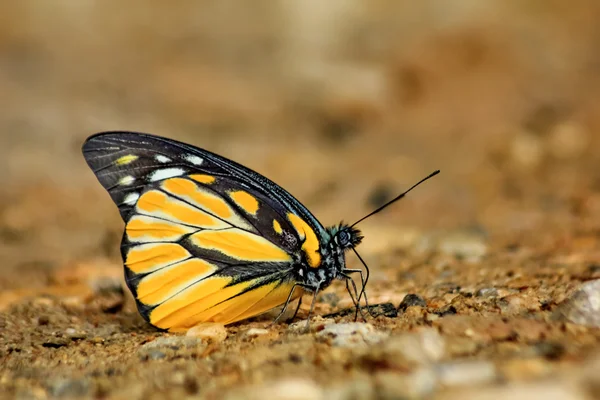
[94,138]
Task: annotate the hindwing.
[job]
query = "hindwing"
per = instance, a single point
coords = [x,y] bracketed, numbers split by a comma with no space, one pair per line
[205,239]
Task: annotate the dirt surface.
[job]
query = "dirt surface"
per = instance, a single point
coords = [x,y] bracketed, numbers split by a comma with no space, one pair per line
[485,282]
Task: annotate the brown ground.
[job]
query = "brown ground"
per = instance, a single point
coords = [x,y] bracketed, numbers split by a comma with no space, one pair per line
[344,104]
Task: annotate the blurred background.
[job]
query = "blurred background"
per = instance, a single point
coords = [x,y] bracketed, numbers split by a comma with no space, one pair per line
[344,103]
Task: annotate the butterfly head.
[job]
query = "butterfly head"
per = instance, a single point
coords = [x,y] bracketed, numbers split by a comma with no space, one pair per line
[345,236]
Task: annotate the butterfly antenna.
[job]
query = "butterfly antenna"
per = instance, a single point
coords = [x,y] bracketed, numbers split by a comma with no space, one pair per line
[395,199]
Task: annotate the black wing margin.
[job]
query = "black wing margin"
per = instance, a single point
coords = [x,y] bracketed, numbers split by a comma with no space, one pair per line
[129,163]
[124,163]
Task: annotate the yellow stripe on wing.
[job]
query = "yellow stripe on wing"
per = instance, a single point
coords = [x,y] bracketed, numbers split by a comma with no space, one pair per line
[167,282]
[224,306]
[227,311]
[275,297]
[152,256]
[194,300]
[161,205]
[240,245]
[142,228]
[205,200]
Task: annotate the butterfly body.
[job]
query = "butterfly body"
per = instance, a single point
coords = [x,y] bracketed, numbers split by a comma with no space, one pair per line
[206,239]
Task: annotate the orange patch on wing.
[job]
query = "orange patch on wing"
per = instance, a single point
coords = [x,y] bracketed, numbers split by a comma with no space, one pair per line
[245,200]
[311,241]
[142,228]
[240,245]
[201,178]
[194,300]
[186,189]
[162,205]
[161,285]
[152,256]
[277,227]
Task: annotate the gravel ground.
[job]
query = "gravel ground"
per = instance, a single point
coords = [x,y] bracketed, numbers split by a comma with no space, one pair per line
[485,282]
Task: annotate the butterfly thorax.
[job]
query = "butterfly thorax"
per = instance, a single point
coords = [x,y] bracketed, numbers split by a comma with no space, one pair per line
[339,239]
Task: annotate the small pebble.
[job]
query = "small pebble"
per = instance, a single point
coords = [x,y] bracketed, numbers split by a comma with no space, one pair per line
[515,304]
[55,343]
[154,354]
[431,317]
[525,368]
[284,389]
[97,340]
[404,351]
[458,346]
[411,300]
[190,384]
[568,140]
[74,303]
[254,332]
[583,306]
[73,334]
[467,245]
[315,324]
[360,387]
[590,375]
[527,151]
[466,373]
[171,346]
[44,301]
[423,346]
[418,384]
[549,350]
[541,390]
[487,292]
[111,303]
[69,388]
[33,393]
[209,331]
[351,334]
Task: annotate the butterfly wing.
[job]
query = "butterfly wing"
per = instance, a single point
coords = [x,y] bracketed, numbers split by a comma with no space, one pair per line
[206,239]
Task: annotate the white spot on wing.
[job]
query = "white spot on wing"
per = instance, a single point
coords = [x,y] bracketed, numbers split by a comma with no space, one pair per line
[126,180]
[166,173]
[162,159]
[131,198]
[193,159]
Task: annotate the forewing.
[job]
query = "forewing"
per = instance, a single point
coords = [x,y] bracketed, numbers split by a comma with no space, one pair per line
[205,239]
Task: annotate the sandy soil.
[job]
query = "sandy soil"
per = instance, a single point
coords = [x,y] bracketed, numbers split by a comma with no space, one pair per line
[344,105]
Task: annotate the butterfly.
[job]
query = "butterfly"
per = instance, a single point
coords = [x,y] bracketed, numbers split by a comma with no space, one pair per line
[209,240]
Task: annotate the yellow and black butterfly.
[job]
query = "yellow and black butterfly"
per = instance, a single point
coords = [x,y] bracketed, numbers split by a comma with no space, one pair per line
[208,240]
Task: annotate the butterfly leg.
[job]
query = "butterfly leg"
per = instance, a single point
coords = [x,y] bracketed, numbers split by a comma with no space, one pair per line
[350,293]
[364,280]
[356,303]
[312,306]
[287,302]
[362,291]
[289,299]
[295,312]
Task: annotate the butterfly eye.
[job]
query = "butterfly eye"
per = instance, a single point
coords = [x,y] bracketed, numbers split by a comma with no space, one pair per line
[343,238]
